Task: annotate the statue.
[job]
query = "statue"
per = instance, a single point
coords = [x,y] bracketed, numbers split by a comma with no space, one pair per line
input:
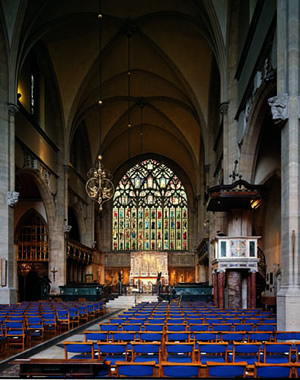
[45,287]
[158,282]
[120,282]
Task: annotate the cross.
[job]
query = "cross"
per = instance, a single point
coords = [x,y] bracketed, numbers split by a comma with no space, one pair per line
[234,172]
[54,271]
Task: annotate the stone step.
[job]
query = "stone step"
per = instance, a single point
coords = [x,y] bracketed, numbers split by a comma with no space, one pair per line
[130,300]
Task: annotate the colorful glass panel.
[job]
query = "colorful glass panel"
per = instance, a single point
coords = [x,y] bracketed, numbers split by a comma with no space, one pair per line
[150,210]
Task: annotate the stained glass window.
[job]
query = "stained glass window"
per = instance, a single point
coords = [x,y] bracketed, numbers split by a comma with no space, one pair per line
[150,210]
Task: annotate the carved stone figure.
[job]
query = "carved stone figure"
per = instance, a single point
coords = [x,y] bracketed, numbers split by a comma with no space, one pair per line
[279,107]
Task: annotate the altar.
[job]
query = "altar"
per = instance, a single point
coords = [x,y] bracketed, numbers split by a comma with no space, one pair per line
[145,267]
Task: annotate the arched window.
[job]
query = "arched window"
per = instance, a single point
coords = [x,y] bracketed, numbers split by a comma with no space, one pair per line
[150,210]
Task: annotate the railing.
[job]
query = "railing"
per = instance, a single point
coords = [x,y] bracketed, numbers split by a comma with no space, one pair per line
[79,252]
[32,251]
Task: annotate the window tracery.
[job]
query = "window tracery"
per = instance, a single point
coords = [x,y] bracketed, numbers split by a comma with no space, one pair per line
[150,210]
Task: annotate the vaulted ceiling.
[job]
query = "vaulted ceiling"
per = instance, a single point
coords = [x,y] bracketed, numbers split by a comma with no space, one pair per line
[172,50]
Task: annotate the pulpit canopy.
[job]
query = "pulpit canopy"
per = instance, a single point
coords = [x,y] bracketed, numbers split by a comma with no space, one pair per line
[238,195]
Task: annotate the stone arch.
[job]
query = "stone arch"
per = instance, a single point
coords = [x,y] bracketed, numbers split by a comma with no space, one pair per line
[106,216]
[250,144]
[47,198]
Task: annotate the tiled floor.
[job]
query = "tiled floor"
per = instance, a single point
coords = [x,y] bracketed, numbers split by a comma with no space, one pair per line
[54,351]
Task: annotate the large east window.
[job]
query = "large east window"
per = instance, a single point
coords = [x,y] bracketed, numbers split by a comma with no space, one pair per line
[150,210]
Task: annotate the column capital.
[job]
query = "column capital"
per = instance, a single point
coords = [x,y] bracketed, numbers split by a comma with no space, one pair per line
[67,228]
[12,198]
[224,106]
[12,109]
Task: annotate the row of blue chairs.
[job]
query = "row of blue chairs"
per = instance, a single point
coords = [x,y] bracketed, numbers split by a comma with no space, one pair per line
[27,321]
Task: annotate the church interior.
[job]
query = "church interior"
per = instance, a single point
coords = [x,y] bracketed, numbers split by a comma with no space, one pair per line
[148,146]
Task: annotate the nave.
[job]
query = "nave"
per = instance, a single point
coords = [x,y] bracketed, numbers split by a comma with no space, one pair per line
[172,339]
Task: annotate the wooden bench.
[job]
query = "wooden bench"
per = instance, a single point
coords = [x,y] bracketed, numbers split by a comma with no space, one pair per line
[60,367]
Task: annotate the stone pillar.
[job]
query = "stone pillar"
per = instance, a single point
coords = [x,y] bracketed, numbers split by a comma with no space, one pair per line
[285,113]
[8,199]
[253,290]
[58,233]
[221,277]
[234,289]
[215,281]
[249,290]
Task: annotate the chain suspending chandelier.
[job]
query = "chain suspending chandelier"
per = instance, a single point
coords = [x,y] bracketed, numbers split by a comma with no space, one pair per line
[99,186]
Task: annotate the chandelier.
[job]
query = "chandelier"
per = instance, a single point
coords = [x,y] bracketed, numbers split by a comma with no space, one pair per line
[99,186]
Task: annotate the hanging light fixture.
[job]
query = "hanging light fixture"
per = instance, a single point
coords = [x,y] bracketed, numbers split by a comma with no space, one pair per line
[129,34]
[99,186]
[141,124]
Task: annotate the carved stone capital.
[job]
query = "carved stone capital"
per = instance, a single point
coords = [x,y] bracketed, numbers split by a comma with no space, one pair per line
[12,109]
[279,107]
[224,108]
[12,198]
[67,228]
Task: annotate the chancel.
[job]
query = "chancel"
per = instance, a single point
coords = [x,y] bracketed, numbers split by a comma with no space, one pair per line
[148,146]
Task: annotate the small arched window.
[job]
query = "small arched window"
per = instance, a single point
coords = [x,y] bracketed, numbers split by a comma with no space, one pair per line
[150,210]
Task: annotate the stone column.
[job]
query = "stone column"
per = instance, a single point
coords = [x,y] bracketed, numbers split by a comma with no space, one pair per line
[221,277]
[215,280]
[249,290]
[8,199]
[234,289]
[285,112]
[253,290]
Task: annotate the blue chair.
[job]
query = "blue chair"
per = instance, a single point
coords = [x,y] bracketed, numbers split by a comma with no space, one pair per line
[221,370]
[179,352]
[143,352]
[16,334]
[276,352]
[154,327]
[85,350]
[260,336]
[112,351]
[35,327]
[232,336]
[244,327]
[273,370]
[213,352]
[63,320]
[177,336]
[74,316]
[199,327]
[156,321]
[268,327]
[95,336]
[176,327]
[287,336]
[109,327]
[132,369]
[151,337]
[176,320]
[49,322]
[124,336]
[182,370]
[118,321]
[137,327]
[203,337]
[246,352]
[3,338]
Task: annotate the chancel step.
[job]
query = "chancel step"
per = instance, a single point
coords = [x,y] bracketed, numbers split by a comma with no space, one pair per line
[129,300]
